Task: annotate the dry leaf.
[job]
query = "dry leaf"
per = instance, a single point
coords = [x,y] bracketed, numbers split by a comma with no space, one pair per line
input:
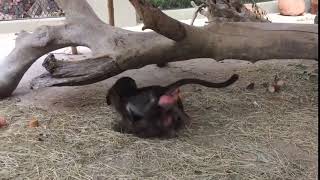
[271,89]
[3,122]
[276,85]
[33,123]
[280,83]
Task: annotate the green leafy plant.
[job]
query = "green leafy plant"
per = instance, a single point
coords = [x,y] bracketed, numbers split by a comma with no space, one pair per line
[173,4]
[178,4]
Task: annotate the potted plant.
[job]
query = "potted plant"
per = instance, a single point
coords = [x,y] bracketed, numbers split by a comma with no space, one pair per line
[291,7]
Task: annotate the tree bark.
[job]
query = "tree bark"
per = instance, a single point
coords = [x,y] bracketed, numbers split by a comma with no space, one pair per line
[117,50]
[111,12]
[74,50]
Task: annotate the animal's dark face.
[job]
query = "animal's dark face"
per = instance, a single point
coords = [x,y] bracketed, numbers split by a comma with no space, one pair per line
[168,100]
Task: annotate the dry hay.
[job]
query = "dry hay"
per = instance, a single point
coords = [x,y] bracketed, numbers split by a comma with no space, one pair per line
[236,134]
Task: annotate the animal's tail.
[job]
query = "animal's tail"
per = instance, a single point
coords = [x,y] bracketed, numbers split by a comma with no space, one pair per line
[182,82]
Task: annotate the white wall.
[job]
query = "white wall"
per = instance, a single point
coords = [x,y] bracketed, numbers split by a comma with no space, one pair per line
[124,12]
[100,7]
[124,16]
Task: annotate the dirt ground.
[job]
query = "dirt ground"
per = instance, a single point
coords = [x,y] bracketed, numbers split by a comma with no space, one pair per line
[236,133]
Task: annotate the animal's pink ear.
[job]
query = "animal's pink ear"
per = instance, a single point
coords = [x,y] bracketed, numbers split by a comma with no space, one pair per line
[166,100]
[170,99]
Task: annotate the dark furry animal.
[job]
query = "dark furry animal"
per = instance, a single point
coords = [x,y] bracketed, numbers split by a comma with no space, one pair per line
[153,111]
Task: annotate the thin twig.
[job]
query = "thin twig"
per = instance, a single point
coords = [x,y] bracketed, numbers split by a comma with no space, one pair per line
[198,9]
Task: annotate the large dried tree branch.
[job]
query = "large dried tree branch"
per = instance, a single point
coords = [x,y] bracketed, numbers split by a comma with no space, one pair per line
[116,50]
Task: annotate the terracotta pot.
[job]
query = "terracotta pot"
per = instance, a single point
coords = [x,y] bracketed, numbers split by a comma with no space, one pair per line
[291,7]
[248,6]
[314,6]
